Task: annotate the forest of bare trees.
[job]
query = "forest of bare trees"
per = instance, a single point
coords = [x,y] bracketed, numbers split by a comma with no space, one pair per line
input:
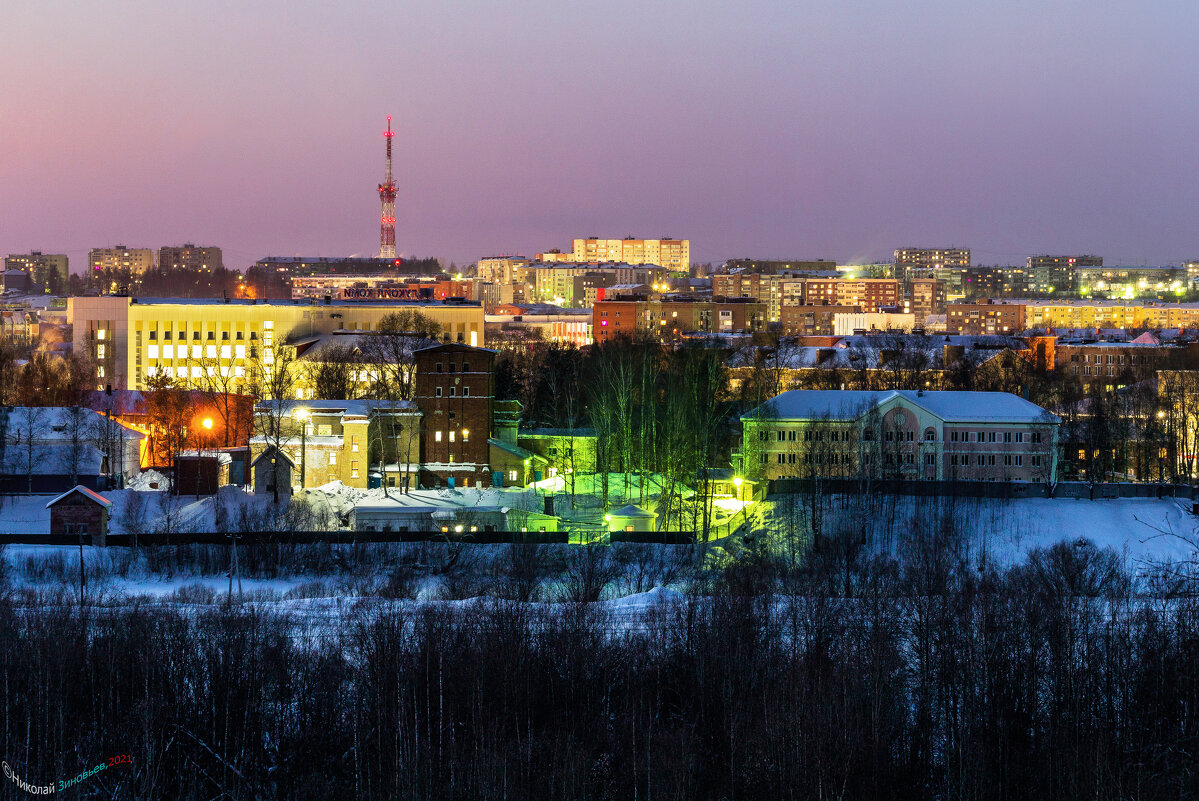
[856,676]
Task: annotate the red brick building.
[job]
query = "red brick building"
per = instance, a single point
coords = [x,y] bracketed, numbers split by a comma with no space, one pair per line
[79,511]
[812,320]
[867,293]
[985,317]
[455,392]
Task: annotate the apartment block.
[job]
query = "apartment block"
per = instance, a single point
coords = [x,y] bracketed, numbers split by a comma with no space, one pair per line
[906,258]
[985,317]
[1057,274]
[673,254]
[925,296]
[671,318]
[135,261]
[205,258]
[764,287]
[48,272]
[500,269]
[813,320]
[869,294]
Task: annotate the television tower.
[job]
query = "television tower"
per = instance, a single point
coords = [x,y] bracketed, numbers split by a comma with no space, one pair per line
[387,199]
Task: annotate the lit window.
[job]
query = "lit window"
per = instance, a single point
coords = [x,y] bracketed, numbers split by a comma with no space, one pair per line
[100,334]
[437,436]
[451,436]
[332,457]
[99,351]
[512,475]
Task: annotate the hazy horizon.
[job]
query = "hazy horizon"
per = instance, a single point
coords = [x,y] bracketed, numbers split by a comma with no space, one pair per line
[766,130]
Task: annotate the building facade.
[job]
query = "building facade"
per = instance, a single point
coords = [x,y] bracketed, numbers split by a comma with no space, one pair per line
[454,390]
[202,258]
[672,254]
[670,318]
[48,272]
[135,261]
[936,258]
[985,317]
[932,436]
[130,340]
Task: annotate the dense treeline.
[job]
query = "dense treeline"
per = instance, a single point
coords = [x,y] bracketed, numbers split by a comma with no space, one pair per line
[654,409]
[856,677]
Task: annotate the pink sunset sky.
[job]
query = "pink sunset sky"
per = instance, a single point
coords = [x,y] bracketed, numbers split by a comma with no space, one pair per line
[767,129]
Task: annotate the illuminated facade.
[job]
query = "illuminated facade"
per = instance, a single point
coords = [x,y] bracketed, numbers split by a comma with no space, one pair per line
[191,257]
[936,258]
[135,260]
[673,254]
[130,340]
[47,271]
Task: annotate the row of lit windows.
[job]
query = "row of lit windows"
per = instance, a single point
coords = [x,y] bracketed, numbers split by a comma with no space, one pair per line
[465,435]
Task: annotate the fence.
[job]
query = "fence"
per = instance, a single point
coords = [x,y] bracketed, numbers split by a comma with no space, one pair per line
[979,489]
[296,538]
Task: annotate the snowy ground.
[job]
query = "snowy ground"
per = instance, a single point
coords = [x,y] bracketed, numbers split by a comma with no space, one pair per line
[1005,530]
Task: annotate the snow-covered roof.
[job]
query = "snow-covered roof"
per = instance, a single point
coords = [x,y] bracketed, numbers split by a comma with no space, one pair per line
[344,408]
[61,423]
[515,450]
[632,510]
[85,492]
[51,459]
[950,406]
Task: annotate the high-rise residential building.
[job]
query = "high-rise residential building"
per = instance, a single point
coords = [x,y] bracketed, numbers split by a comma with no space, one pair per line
[868,294]
[48,272]
[674,318]
[673,254]
[190,257]
[556,283]
[780,265]
[1057,274]
[925,296]
[500,269]
[764,287]
[118,257]
[907,258]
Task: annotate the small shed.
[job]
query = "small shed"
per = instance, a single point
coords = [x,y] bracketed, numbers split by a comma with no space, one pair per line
[630,518]
[80,511]
[273,468]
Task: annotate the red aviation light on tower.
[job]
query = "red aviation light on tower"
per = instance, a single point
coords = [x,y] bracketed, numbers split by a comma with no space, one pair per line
[387,199]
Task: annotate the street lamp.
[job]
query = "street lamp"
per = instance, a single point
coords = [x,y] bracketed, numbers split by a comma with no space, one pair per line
[302,416]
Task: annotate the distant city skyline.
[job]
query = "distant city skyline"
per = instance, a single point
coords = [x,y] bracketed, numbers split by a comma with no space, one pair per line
[764,130]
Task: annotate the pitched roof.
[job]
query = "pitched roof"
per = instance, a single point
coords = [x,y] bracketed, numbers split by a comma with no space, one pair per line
[95,497]
[631,511]
[950,406]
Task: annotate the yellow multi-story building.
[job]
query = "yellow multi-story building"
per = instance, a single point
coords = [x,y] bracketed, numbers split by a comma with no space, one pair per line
[501,269]
[673,254]
[119,257]
[130,339]
[1126,314]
